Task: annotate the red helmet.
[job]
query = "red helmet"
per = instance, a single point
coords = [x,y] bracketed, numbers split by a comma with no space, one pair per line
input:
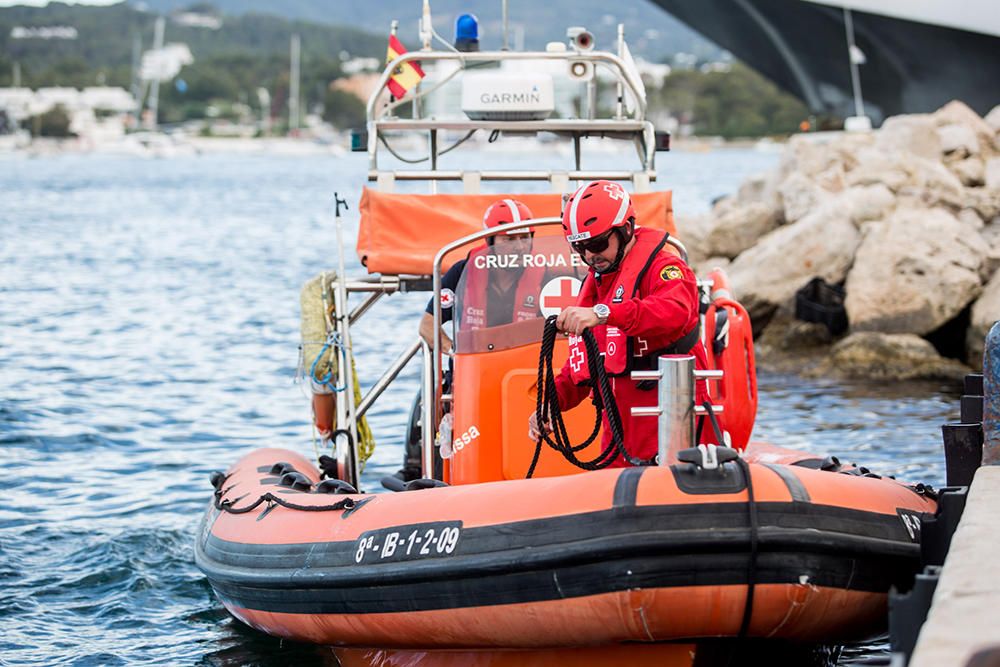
[596,208]
[503,211]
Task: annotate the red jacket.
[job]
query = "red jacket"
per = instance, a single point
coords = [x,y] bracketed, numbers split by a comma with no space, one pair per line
[665,307]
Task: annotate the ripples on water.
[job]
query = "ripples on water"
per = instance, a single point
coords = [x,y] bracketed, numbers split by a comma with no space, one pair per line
[148,333]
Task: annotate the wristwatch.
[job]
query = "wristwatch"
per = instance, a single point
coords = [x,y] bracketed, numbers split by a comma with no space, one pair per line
[603,312]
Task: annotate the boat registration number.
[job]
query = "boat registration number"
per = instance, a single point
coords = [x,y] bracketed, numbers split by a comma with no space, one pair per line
[425,540]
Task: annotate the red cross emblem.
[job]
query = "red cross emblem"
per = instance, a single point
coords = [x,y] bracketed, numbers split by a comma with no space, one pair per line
[576,359]
[559,293]
[642,346]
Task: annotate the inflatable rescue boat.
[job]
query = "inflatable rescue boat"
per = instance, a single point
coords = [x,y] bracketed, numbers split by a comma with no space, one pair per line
[774,545]
[496,541]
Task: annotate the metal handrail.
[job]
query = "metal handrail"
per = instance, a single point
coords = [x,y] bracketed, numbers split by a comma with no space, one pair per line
[511,175]
[636,124]
[490,56]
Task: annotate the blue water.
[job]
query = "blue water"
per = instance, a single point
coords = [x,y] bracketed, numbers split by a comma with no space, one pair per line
[148,336]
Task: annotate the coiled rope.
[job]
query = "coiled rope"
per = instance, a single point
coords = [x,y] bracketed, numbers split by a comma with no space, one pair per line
[547,408]
[272,500]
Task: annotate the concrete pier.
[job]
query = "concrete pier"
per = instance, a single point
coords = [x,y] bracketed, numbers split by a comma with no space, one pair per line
[964,616]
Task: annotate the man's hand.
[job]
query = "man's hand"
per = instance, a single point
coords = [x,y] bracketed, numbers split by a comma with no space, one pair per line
[533,431]
[574,320]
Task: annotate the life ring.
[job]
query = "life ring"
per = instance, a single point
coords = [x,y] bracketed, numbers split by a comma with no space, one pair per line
[729,346]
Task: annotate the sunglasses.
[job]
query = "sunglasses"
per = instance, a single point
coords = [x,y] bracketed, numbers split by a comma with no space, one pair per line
[594,245]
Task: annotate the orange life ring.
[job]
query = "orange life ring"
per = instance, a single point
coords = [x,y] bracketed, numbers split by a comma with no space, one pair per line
[729,346]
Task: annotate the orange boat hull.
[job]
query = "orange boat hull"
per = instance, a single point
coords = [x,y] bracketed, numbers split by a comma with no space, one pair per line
[601,558]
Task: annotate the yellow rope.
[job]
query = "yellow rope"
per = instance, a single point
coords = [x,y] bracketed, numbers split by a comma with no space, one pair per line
[316,325]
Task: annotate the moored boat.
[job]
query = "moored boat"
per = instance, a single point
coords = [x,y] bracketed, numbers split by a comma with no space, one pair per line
[504,543]
[754,548]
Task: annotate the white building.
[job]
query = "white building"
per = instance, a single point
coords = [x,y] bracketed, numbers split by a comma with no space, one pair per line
[97,113]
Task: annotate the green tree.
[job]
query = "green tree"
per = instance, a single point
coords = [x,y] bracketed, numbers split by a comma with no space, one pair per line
[734,103]
[343,110]
[52,123]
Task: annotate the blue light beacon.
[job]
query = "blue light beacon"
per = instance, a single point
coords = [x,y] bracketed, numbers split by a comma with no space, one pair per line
[467,33]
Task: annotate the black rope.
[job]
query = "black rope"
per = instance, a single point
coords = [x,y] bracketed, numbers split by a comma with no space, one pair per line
[752,565]
[547,408]
[271,500]
[710,414]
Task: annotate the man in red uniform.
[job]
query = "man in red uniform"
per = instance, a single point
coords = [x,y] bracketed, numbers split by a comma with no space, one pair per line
[640,301]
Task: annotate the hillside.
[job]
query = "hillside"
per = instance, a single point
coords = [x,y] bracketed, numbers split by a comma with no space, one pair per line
[105,36]
[250,52]
[652,33]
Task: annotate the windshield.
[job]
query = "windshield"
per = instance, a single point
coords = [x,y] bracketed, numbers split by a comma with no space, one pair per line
[506,291]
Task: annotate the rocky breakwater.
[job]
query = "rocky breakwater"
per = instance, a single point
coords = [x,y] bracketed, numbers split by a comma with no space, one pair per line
[905,219]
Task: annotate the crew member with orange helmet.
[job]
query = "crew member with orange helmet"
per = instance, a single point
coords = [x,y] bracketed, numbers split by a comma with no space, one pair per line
[491,296]
[639,299]
[502,296]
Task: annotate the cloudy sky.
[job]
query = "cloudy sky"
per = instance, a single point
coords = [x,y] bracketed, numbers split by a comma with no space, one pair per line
[39,3]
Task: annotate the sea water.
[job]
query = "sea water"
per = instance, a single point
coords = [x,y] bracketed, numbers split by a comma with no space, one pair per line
[148,336]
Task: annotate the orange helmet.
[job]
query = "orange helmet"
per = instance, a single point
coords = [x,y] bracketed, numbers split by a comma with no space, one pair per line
[503,211]
[596,208]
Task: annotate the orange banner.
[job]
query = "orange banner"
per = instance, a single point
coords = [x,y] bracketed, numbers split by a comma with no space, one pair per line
[401,233]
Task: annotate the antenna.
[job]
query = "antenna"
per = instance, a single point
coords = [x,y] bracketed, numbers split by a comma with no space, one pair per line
[503,12]
[426,27]
[293,88]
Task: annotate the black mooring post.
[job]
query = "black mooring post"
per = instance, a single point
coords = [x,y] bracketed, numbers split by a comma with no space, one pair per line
[972,409]
[973,384]
[963,452]
[908,611]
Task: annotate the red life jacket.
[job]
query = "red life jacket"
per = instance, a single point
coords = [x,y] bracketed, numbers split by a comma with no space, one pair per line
[623,354]
[474,298]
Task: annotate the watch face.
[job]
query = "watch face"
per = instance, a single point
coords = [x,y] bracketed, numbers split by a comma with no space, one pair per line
[602,310]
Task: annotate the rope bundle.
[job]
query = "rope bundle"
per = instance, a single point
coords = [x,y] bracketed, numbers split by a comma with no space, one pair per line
[547,408]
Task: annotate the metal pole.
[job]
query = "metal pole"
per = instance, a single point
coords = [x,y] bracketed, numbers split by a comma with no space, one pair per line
[991,397]
[859,106]
[429,414]
[503,11]
[136,81]
[154,91]
[293,87]
[620,104]
[676,405]
[349,452]
[390,374]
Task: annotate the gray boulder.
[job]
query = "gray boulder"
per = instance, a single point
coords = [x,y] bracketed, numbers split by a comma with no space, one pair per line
[735,227]
[985,201]
[801,196]
[914,133]
[768,274]
[991,173]
[970,171]
[959,113]
[691,230]
[866,202]
[991,237]
[875,167]
[958,141]
[968,216]
[913,272]
[878,356]
[931,184]
[993,119]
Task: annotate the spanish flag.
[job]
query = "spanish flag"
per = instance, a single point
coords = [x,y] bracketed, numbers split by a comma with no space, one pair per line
[406,75]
